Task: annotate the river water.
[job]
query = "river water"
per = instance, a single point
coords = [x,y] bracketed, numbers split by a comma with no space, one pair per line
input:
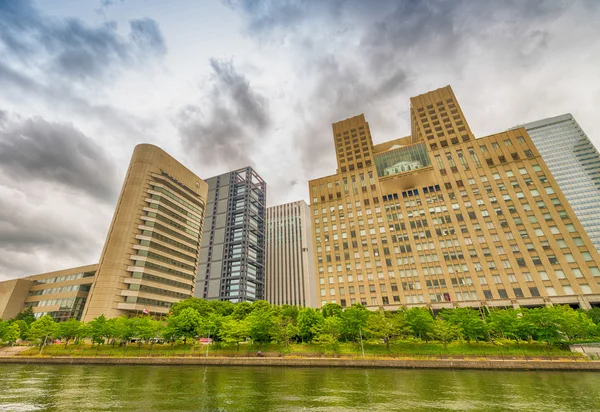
[229,388]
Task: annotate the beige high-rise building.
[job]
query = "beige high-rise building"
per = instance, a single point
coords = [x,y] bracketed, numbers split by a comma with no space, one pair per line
[442,219]
[289,275]
[150,258]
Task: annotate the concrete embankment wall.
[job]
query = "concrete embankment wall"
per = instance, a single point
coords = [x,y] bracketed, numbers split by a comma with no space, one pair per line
[346,363]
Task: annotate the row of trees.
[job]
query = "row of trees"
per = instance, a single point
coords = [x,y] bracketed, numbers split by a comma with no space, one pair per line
[261,322]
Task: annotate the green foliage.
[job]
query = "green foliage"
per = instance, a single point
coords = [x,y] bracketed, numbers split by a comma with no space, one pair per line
[594,315]
[328,333]
[145,328]
[43,329]
[307,319]
[186,323]
[26,315]
[469,322]
[331,309]
[69,330]
[504,323]
[353,320]
[11,334]
[233,331]
[241,310]
[124,329]
[330,328]
[261,325]
[23,328]
[3,328]
[420,322]
[444,331]
[380,326]
[98,329]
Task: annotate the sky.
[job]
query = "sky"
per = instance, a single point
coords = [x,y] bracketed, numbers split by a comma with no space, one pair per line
[226,84]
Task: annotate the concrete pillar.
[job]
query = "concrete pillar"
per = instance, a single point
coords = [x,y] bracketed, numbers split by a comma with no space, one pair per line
[584,303]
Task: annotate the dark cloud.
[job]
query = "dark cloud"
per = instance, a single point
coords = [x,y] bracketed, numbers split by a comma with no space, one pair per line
[69,48]
[38,150]
[357,57]
[46,234]
[147,35]
[226,127]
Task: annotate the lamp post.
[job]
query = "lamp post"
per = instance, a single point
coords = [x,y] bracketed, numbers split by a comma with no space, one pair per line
[362,347]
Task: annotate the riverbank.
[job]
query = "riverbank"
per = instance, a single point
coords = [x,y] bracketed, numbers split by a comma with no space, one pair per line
[419,349]
[490,364]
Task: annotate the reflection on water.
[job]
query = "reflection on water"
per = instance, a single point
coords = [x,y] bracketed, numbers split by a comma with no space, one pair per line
[191,388]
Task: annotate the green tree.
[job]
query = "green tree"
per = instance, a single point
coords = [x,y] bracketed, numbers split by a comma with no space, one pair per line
[307,319]
[541,324]
[124,330]
[26,315]
[43,329]
[187,323]
[144,328]
[261,326]
[353,320]
[221,307]
[3,328]
[11,333]
[203,307]
[504,323]
[83,333]
[331,309]
[594,315]
[23,328]
[241,310]
[420,321]
[328,332]
[472,327]
[261,305]
[444,331]
[380,326]
[211,325]
[98,328]
[289,313]
[233,331]
[69,330]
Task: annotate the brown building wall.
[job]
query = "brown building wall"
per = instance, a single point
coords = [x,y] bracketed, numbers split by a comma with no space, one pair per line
[484,224]
[12,297]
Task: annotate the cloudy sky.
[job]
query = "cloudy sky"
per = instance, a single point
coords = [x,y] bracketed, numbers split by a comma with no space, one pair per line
[225,84]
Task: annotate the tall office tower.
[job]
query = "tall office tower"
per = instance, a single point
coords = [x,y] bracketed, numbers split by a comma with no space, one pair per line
[290,269]
[442,219]
[574,163]
[150,258]
[232,258]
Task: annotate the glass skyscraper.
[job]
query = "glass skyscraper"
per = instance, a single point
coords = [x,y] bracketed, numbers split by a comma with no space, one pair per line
[574,163]
[232,256]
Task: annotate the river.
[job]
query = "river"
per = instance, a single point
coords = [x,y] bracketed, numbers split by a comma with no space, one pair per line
[229,388]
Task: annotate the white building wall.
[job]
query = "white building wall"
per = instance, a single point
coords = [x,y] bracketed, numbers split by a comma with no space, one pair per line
[289,274]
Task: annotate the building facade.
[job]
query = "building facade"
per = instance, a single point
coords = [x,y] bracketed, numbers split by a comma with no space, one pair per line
[150,258]
[574,163]
[472,222]
[289,274]
[62,294]
[232,257]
